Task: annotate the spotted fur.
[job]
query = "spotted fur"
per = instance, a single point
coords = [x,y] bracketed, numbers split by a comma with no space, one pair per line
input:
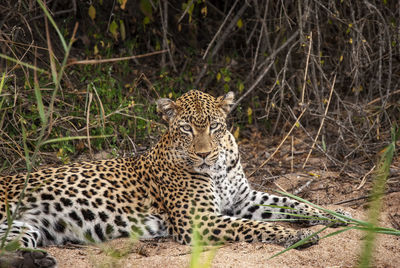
[192,180]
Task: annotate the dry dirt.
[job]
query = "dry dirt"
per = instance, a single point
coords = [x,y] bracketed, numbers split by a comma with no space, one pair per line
[338,251]
[320,184]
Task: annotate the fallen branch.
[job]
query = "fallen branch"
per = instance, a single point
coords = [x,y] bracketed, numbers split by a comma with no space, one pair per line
[116,59]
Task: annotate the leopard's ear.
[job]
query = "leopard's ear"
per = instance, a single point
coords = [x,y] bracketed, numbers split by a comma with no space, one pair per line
[225,102]
[167,108]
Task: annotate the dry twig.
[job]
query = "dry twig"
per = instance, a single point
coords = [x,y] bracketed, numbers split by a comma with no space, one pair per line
[279,146]
[322,122]
[306,71]
[219,29]
[270,60]
[75,62]
[221,41]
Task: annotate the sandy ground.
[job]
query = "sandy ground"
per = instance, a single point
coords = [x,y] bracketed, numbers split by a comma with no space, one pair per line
[338,251]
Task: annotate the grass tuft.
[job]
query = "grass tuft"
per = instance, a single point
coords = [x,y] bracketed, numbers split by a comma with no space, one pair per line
[382,173]
[196,259]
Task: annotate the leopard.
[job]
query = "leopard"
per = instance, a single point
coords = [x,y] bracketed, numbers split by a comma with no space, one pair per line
[191,182]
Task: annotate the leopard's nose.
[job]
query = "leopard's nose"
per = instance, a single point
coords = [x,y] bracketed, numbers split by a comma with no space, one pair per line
[203,155]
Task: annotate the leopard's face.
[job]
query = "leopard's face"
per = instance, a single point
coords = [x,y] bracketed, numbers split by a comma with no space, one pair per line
[197,125]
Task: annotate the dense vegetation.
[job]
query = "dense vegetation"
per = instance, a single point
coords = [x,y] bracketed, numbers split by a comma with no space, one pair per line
[335,63]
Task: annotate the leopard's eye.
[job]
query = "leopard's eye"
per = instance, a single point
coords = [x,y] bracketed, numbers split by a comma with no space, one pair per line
[186,128]
[214,126]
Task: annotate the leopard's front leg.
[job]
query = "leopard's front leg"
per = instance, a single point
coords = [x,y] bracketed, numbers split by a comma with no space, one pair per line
[195,209]
[213,228]
[239,200]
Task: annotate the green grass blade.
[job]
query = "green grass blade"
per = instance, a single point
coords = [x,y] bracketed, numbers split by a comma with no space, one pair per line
[12,246]
[379,230]
[11,216]
[299,243]
[196,260]
[45,10]
[75,138]
[44,117]
[9,222]
[197,248]
[323,209]
[339,232]
[23,63]
[40,105]
[3,78]
[58,77]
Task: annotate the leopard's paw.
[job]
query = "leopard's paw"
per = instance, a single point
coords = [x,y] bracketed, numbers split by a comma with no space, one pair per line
[27,259]
[300,235]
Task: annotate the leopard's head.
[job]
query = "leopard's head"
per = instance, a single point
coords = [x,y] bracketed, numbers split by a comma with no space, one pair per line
[197,126]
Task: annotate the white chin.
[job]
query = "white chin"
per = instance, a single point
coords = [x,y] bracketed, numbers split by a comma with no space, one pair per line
[203,168]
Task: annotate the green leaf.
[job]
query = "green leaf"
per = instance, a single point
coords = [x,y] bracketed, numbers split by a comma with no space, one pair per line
[241,87]
[146,8]
[1,88]
[239,23]
[122,29]
[250,115]
[190,11]
[227,79]
[158,45]
[114,29]
[146,20]
[323,144]
[92,12]
[226,87]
